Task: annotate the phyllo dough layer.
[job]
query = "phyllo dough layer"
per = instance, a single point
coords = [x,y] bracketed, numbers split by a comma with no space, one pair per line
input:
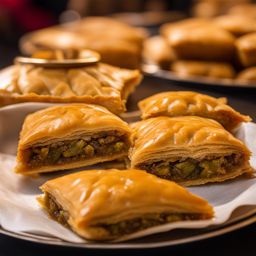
[188,103]
[101,84]
[190,150]
[70,136]
[107,204]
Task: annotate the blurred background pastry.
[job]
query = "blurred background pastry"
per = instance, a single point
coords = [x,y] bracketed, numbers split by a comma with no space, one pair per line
[188,68]
[156,50]
[129,34]
[207,42]
[246,48]
[236,25]
[247,75]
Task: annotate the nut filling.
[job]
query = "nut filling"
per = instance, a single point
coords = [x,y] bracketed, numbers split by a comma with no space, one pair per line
[149,220]
[55,210]
[189,168]
[123,227]
[108,143]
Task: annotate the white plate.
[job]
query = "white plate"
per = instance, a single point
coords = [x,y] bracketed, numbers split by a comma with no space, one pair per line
[11,118]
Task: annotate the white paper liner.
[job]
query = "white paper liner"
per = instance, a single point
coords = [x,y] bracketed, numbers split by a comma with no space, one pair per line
[20,212]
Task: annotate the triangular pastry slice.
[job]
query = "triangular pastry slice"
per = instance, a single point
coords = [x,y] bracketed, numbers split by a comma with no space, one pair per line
[108,204]
[70,136]
[188,103]
[189,150]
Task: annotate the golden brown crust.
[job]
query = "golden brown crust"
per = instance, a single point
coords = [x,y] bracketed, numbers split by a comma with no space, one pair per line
[164,138]
[247,75]
[237,25]
[191,23]
[188,68]
[187,103]
[98,84]
[246,48]
[244,10]
[118,43]
[157,51]
[67,122]
[94,198]
[206,42]
[109,28]
[116,52]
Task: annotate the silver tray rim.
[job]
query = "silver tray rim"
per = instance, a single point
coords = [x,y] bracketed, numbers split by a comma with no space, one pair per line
[154,71]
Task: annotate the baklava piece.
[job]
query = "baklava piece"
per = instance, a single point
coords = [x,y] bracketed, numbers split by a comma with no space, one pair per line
[188,103]
[189,150]
[100,83]
[109,204]
[109,28]
[236,25]
[199,40]
[246,49]
[247,75]
[51,39]
[244,10]
[157,51]
[116,52]
[118,43]
[70,136]
[190,23]
[186,68]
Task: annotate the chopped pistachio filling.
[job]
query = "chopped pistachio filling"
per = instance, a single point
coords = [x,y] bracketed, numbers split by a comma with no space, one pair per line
[123,227]
[193,169]
[69,151]
[55,210]
[149,220]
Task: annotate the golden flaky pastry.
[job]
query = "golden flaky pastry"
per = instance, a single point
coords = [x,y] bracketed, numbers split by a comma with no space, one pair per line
[188,103]
[70,136]
[101,84]
[190,150]
[108,204]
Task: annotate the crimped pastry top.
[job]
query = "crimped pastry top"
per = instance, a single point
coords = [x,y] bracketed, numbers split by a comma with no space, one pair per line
[107,196]
[187,103]
[66,121]
[100,79]
[181,136]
